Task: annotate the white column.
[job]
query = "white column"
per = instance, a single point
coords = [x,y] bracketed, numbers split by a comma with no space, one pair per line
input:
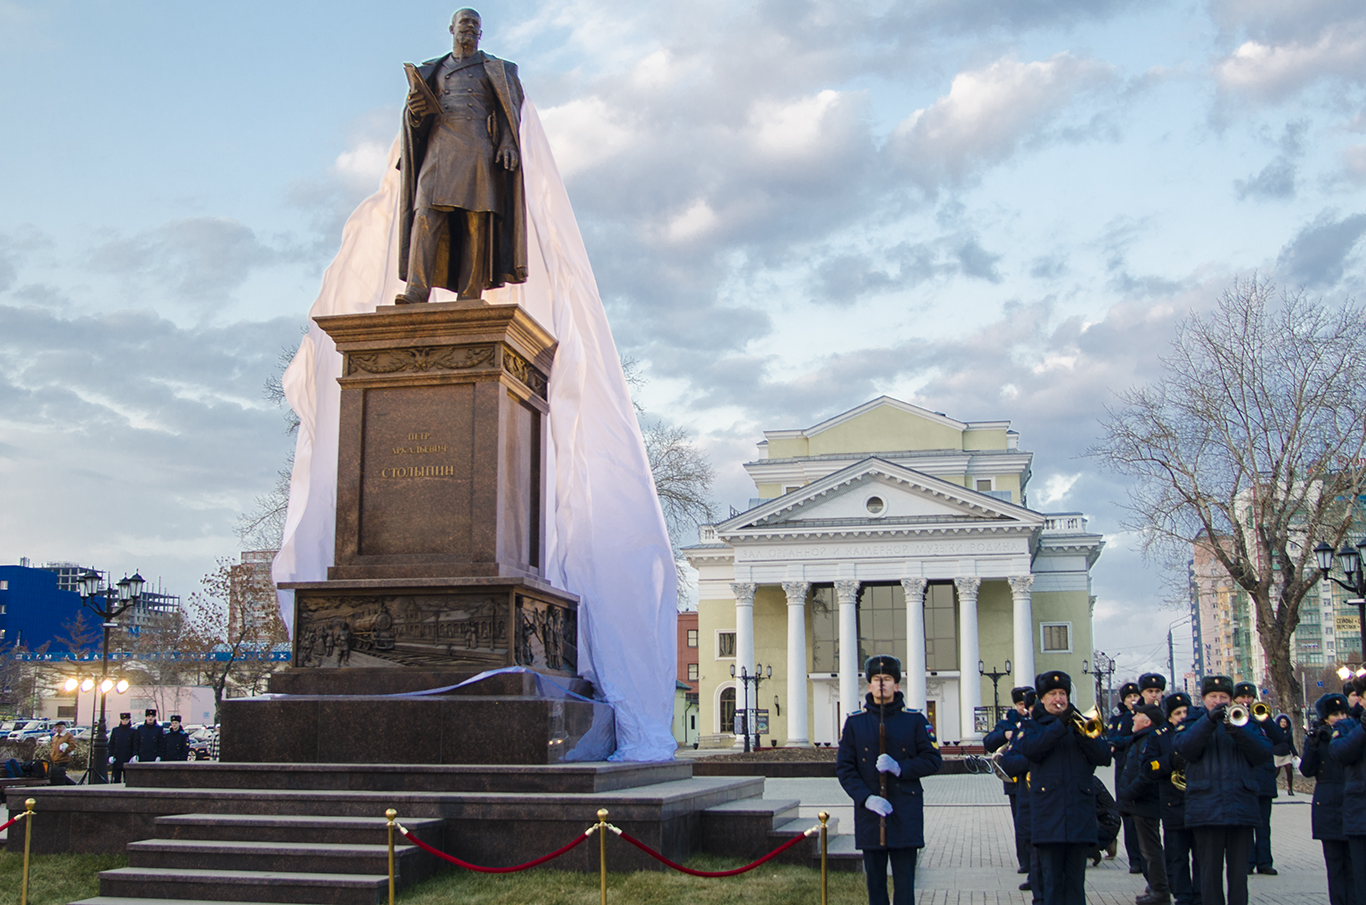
[1024,629]
[847,594]
[744,646]
[796,663]
[969,682]
[913,671]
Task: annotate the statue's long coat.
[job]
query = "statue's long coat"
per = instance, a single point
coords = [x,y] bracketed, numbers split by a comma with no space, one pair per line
[509,251]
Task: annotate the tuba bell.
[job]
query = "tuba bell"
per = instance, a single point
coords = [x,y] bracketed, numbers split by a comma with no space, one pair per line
[1236,715]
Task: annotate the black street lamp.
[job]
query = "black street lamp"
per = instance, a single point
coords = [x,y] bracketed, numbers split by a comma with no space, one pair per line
[1103,668]
[1355,583]
[128,590]
[746,678]
[995,677]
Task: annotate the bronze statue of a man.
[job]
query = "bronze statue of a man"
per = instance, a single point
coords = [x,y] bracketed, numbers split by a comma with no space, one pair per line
[463,211]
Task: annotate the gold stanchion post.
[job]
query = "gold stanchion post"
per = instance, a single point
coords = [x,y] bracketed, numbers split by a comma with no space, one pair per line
[391,814]
[825,837]
[28,842]
[602,851]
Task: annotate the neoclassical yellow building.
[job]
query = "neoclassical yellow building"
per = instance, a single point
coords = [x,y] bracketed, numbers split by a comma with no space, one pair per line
[888,528]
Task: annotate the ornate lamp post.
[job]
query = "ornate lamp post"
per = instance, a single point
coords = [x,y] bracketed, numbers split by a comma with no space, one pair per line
[127,592]
[1103,668]
[746,678]
[1355,583]
[995,676]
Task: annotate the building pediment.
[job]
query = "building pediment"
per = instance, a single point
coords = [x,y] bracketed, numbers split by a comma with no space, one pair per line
[878,496]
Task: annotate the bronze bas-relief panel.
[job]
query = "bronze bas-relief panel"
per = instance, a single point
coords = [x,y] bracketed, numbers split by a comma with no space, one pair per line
[443,630]
[417,470]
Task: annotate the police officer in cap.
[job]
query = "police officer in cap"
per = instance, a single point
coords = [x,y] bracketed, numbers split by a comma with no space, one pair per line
[1329,777]
[885,742]
[1021,698]
[122,743]
[1348,748]
[175,746]
[1178,845]
[1120,731]
[149,742]
[1221,798]
[1062,800]
[1245,694]
[1140,798]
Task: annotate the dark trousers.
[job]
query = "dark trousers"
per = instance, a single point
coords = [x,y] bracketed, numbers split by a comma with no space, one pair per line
[116,771]
[1260,855]
[1131,848]
[1356,847]
[1337,858]
[903,875]
[1223,850]
[1178,848]
[1021,849]
[1154,862]
[1064,872]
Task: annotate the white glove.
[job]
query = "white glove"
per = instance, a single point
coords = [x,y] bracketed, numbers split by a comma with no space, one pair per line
[887,764]
[63,746]
[135,759]
[878,805]
[111,760]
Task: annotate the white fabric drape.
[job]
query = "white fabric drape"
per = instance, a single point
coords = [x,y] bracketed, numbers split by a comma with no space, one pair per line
[606,537]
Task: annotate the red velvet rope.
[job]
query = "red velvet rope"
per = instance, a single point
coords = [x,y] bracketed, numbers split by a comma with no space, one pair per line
[13,821]
[491,870]
[711,873]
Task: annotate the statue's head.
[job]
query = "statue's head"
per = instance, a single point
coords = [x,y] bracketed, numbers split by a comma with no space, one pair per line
[466,27]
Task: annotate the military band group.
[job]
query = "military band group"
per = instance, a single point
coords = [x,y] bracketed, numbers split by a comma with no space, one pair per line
[1194,781]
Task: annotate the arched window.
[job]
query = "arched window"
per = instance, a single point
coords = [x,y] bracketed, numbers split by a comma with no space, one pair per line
[728,710]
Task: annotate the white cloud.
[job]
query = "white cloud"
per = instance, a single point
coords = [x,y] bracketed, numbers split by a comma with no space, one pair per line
[792,129]
[987,113]
[362,167]
[584,133]
[1273,71]
[1056,488]
[698,220]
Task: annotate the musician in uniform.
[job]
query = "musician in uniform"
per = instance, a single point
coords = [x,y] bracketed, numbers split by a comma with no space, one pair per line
[1140,798]
[1063,760]
[122,741]
[1221,789]
[1259,859]
[1326,818]
[1021,698]
[1120,730]
[1016,765]
[884,751]
[1168,769]
[1348,749]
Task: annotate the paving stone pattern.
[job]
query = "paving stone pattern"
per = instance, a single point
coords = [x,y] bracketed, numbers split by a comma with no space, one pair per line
[969,857]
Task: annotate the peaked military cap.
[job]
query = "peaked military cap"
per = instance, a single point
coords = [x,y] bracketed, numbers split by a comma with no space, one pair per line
[125,716]
[1152,680]
[175,718]
[1152,712]
[1019,694]
[1244,689]
[1054,678]
[1332,703]
[1128,688]
[883,665]
[151,711]
[1212,684]
[1174,700]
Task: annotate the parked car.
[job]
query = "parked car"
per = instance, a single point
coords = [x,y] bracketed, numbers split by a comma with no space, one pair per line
[201,741]
[30,729]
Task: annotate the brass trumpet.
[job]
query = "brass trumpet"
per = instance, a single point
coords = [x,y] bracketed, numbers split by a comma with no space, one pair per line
[1260,712]
[1236,715]
[1178,778]
[995,761]
[1089,723]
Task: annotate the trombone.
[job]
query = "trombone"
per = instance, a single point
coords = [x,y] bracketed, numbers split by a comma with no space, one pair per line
[1089,723]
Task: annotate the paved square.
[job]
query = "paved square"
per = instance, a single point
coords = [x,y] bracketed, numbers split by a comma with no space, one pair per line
[969,856]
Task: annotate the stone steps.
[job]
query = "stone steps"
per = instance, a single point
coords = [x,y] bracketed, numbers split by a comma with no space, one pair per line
[201,885]
[297,857]
[296,828]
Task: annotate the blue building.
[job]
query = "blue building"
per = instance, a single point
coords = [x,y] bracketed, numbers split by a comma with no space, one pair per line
[33,607]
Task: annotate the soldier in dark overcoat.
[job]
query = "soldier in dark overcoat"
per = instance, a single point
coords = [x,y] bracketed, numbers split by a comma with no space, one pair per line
[1221,790]
[1326,817]
[122,743]
[1348,749]
[1119,731]
[910,753]
[1062,800]
[1259,859]
[1021,699]
[1140,798]
[176,743]
[149,742]
[1016,765]
[1178,845]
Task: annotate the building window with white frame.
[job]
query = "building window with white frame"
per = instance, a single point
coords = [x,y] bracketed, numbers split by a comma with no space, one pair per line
[1056,637]
[725,644]
[692,672]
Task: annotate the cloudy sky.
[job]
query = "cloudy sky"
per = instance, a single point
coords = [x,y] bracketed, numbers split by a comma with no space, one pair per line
[992,208]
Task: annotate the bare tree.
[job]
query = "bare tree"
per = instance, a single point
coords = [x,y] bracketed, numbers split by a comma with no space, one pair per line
[80,634]
[263,528]
[1250,443]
